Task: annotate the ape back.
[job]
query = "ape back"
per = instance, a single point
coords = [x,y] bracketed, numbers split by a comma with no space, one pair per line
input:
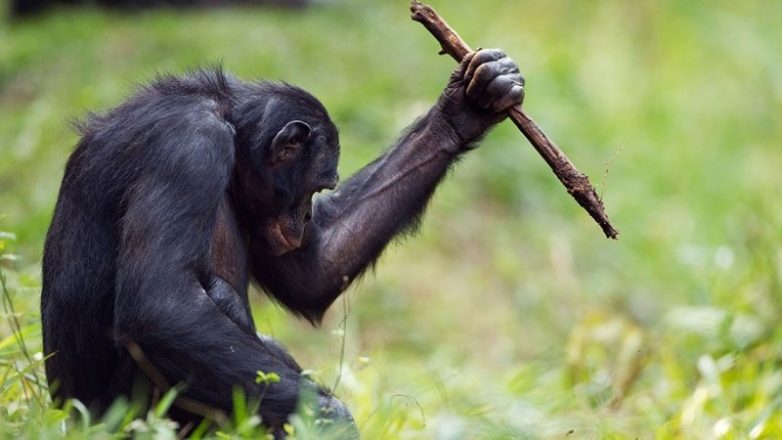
[112,162]
[80,255]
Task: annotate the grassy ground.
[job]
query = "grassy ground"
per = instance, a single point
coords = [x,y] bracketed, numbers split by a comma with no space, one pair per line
[509,316]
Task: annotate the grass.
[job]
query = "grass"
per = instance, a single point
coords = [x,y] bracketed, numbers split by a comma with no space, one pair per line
[509,315]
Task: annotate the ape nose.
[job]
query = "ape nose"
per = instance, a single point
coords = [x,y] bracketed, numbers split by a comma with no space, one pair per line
[307,216]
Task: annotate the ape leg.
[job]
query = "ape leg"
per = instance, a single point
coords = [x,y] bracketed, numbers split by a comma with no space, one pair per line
[320,400]
[312,400]
[317,399]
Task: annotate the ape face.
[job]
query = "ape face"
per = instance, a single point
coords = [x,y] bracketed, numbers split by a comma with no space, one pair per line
[287,157]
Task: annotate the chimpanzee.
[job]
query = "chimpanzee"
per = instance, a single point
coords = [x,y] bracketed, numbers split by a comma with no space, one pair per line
[175,200]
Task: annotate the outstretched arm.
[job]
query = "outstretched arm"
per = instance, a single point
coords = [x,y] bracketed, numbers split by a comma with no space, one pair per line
[352,225]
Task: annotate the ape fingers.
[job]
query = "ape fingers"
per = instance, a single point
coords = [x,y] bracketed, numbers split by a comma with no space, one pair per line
[479,58]
[507,98]
[493,81]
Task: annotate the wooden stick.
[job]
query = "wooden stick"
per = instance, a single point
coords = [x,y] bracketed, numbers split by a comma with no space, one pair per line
[576,183]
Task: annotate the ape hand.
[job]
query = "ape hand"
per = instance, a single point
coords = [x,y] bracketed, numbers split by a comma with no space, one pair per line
[479,92]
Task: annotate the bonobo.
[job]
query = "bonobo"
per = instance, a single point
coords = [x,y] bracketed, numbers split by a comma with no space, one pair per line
[175,200]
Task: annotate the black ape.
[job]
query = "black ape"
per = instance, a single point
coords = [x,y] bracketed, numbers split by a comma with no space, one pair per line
[174,200]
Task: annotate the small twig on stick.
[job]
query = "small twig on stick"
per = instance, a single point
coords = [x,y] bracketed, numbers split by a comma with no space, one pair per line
[576,183]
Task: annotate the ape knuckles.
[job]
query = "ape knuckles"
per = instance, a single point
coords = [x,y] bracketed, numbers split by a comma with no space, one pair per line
[482,88]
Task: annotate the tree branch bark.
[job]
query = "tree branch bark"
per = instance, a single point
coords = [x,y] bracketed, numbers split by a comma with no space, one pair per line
[576,183]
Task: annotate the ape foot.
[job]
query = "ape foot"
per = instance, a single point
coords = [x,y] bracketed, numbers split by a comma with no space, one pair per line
[322,415]
[334,411]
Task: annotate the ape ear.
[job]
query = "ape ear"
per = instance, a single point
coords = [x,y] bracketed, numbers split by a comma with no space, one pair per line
[288,141]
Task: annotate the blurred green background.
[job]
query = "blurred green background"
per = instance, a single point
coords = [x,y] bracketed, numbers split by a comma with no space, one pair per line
[509,315]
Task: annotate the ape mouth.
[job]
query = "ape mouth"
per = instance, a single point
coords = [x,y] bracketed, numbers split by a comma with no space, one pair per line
[282,241]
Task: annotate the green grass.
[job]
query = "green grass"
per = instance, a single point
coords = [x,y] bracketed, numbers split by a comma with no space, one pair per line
[509,315]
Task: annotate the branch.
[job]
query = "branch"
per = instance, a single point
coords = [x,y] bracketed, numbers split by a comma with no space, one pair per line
[576,183]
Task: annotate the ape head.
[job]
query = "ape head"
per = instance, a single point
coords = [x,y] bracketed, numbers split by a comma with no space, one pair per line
[287,149]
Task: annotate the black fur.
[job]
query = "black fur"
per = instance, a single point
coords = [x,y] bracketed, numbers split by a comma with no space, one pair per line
[127,254]
[176,199]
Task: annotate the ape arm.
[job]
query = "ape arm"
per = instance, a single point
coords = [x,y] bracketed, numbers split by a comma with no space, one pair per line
[226,298]
[352,225]
[228,283]
[163,268]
